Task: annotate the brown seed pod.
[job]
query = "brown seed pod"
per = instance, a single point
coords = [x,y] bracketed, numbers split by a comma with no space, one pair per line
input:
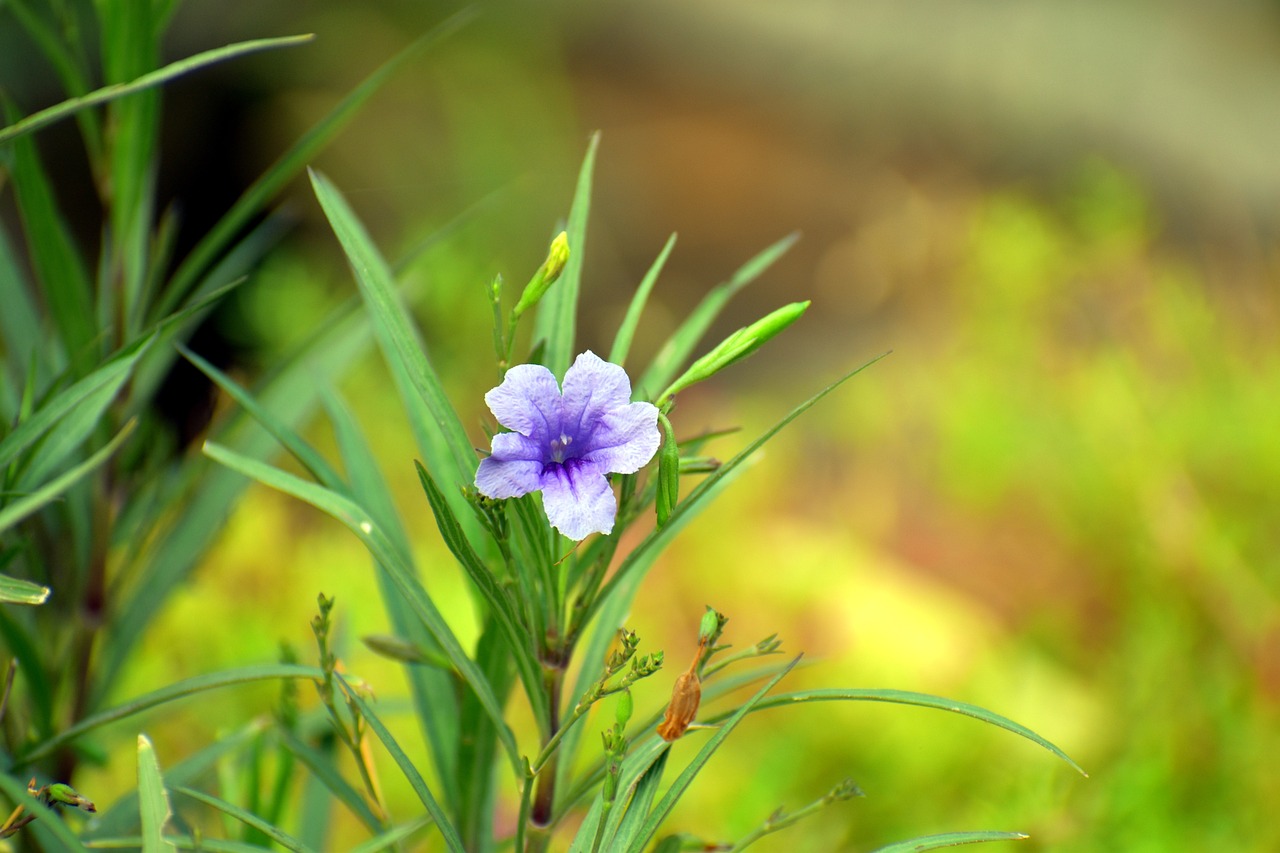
[685,697]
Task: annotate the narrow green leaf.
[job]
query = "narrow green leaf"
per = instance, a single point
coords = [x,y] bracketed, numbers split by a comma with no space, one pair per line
[514,632]
[682,782]
[626,332]
[923,700]
[254,199]
[626,822]
[87,398]
[556,320]
[642,556]
[323,768]
[359,522]
[434,696]
[448,453]
[275,833]
[24,506]
[948,839]
[179,690]
[419,785]
[18,591]
[70,107]
[392,837]
[675,353]
[55,257]
[306,455]
[153,800]
[20,325]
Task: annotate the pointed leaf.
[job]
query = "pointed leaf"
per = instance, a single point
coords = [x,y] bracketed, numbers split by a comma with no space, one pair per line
[948,839]
[923,700]
[675,353]
[410,772]
[626,331]
[18,591]
[682,782]
[555,324]
[275,833]
[70,107]
[153,800]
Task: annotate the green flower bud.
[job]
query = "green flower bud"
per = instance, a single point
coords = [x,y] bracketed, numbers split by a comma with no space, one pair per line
[557,257]
[622,712]
[668,472]
[709,626]
[736,347]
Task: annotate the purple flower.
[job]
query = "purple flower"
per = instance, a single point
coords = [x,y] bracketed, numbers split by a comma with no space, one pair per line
[565,444]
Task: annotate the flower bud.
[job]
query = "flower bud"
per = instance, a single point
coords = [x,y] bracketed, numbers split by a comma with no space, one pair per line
[668,472]
[736,347]
[710,626]
[557,257]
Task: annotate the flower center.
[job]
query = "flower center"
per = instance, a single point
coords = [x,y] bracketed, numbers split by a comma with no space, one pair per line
[559,445]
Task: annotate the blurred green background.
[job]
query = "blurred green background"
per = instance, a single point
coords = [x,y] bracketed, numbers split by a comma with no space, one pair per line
[1056,499]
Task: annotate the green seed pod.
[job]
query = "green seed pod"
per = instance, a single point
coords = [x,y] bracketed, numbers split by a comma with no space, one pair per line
[736,347]
[668,472]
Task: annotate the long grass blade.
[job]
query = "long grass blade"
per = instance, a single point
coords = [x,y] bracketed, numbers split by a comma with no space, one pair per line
[322,768]
[554,326]
[184,689]
[922,700]
[948,839]
[153,801]
[248,818]
[448,453]
[450,835]
[24,506]
[626,332]
[70,107]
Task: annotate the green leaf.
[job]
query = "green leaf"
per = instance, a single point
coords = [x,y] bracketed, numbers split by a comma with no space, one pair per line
[923,700]
[20,325]
[184,689]
[516,634]
[434,697]
[392,837]
[70,107]
[275,833]
[254,199]
[153,800]
[24,506]
[626,822]
[85,401]
[58,264]
[555,324]
[323,768]
[443,441]
[646,832]
[419,785]
[359,522]
[622,341]
[17,591]
[948,839]
[680,345]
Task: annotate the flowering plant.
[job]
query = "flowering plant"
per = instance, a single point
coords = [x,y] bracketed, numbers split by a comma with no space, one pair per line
[551,586]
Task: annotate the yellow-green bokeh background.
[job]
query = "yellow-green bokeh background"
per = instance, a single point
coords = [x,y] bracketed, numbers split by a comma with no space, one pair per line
[1056,499]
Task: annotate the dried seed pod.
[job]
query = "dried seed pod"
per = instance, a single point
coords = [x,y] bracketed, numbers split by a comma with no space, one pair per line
[685,697]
